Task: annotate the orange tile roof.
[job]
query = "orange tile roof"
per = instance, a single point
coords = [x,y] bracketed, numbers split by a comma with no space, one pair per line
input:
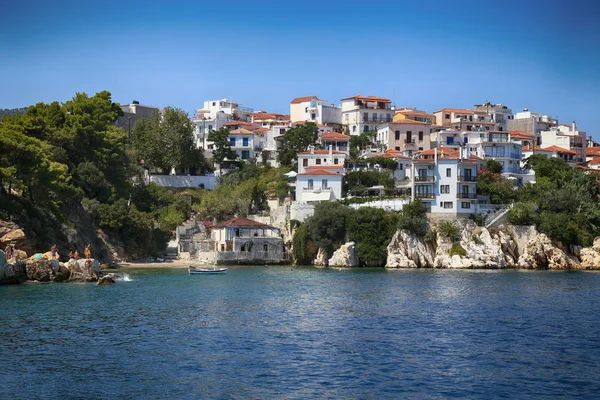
[455,111]
[559,150]
[242,222]
[298,100]
[234,123]
[593,150]
[321,152]
[369,98]
[334,136]
[241,131]
[416,113]
[320,172]
[445,150]
[408,122]
[260,130]
[534,148]
[325,166]
[594,161]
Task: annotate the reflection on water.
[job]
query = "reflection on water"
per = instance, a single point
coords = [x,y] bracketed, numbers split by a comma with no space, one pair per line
[287,333]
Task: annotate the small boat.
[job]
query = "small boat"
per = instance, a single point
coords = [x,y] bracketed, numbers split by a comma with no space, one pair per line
[197,270]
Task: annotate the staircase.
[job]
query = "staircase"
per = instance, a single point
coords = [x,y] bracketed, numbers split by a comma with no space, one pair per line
[498,217]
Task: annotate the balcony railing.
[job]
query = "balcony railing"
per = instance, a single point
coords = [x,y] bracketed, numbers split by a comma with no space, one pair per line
[424,196]
[466,195]
[409,141]
[467,178]
[515,156]
[424,178]
[380,120]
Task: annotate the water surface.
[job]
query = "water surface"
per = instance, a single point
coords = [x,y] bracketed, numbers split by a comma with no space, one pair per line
[278,332]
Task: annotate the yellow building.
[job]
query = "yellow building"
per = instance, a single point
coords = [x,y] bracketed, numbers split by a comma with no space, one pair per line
[414,115]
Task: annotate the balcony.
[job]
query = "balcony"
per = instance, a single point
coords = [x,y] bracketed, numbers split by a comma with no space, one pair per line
[498,154]
[378,120]
[428,179]
[429,196]
[409,141]
[466,195]
[467,178]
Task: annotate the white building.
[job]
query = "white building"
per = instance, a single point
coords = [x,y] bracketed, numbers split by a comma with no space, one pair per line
[445,181]
[134,112]
[318,185]
[568,156]
[313,109]
[242,142]
[464,119]
[364,113]
[321,159]
[531,123]
[214,115]
[497,113]
[567,137]
[335,140]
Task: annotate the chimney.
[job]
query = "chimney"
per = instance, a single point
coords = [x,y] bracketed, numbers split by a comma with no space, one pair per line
[574,126]
[331,152]
[312,149]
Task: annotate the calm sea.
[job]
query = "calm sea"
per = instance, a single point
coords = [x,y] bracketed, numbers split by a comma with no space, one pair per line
[279,332]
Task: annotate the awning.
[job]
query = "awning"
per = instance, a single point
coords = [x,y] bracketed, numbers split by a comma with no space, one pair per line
[312,196]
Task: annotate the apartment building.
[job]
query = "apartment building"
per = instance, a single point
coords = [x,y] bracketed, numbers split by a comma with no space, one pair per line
[132,113]
[336,141]
[568,156]
[313,109]
[320,174]
[445,181]
[214,115]
[267,120]
[497,113]
[531,123]
[242,142]
[404,135]
[465,120]
[364,113]
[567,137]
[321,159]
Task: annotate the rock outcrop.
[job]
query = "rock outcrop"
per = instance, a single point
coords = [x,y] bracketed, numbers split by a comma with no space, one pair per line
[12,272]
[407,250]
[321,259]
[345,256]
[107,279]
[83,270]
[540,253]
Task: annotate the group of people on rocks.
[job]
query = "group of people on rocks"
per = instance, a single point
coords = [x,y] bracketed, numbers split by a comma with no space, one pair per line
[87,253]
[9,251]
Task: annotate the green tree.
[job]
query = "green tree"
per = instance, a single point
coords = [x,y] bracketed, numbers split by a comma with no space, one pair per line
[413,218]
[356,182]
[358,143]
[222,146]
[327,226]
[296,140]
[372,229]
[167,141]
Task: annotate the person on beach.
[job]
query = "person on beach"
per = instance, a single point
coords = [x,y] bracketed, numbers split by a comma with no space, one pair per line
[54,252]
[76,255]
[87,252]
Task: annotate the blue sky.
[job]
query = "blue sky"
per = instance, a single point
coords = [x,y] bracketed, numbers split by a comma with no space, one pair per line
[543,55]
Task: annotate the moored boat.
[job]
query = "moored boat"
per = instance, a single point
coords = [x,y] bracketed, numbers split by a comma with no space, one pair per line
[197,270]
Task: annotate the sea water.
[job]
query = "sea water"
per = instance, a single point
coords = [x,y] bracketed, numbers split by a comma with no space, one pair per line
[282,332]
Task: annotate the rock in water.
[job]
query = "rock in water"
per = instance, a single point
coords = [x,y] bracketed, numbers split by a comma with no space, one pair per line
[11,273]
[321,260]
[345,256]
[83,270]
[107,279]
[407,250]
[540,253]
[62,274]
[42,270]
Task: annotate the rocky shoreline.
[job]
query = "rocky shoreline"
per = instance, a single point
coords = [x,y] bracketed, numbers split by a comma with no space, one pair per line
[516,247]
[16,270]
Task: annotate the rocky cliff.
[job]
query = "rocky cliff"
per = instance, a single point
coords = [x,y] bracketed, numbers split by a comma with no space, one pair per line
[476,247]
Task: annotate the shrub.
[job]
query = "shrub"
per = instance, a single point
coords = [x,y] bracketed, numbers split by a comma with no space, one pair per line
[372,229]
[412,218]
[303,251]
[430,236]
[448,230]
[327,226]
[522,214]
[457,249]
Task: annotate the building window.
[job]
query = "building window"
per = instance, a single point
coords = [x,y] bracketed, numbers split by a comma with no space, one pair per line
[310,184]
[214,103]
[245,142]
[447,116]
[245,154]
[447,204]
[444,189]
[366,128]
[366,117]
[420,149]
[243,248]
[266,248]
[374,117]
[318,161]
[420,136]
[232,141]
[335,161]
[400,166]
[397,148]
[465,204]
[448,172]
[324,184]
[353,128]
[210,127]
[397,133]
[305,162]
[313,115]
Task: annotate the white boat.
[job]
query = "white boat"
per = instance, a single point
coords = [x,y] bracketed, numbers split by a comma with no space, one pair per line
[197,270]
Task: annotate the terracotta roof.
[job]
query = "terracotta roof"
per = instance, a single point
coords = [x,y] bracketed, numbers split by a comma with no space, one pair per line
[234,123]
[260,130]
[369,98]
[446,150]
[593,150]
[594,161]
[408,122]
[241,131]
[334,136]
[559,150]
[320,172]
[534,148]
[242,223]
[321,152]
[207,223]
[298,100]
[521,135]
[416,113]
[325,166]
[455,111]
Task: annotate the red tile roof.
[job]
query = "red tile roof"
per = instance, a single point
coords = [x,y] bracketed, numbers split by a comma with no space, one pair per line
[260,130]
[534,148]
[298,100]
[234,123]
[594,161]
[320,172]
[242,223]
[408,122]
[415,113]
[322,152]
[334,136]
[593,150]
[559,150]
[446,150]
[241,131]
[369,98]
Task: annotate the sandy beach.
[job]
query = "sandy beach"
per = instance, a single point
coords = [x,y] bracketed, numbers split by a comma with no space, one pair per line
[163,264]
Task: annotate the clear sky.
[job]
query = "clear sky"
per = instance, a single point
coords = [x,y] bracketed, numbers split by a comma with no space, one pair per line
[543,55]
